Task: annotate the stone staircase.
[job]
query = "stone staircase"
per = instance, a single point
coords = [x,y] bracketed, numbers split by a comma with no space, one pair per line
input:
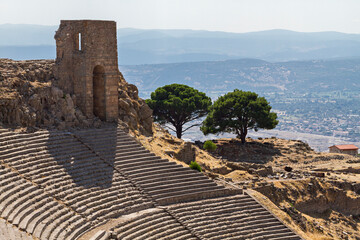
[230,218]
[156,225]
[165,182]
[61,185]
[220,218]
[27,206]
[44,167]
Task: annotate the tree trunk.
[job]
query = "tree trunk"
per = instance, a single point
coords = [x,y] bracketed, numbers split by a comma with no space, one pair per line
[243,138]
[178,131]
[243,134]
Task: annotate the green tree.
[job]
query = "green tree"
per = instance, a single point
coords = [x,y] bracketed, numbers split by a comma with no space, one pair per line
[177,105]
[238,111]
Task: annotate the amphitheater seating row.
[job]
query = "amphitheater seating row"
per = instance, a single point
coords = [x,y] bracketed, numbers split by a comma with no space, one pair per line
[60,185]
[164,181]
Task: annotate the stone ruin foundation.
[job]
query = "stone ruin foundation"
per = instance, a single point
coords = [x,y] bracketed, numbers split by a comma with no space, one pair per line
[87,65]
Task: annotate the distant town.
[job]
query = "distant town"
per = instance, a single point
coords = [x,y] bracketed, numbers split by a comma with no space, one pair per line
[324,113]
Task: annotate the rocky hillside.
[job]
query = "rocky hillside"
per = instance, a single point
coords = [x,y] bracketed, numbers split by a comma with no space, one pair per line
[318,196]
[29,97]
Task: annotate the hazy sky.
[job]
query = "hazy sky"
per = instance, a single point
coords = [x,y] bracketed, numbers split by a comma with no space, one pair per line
[218,15]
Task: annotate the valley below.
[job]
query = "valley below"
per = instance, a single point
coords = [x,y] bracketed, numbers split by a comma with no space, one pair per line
[315,100]
[317,142]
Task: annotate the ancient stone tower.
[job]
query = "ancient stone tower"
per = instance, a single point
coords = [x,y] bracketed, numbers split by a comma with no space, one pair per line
[87,65]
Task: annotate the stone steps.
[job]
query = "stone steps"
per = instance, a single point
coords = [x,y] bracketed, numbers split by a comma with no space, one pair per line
[74,221]
[234,217]
[61,178]
[25,147]
[65,165]
[213,202]
[73,190]
[148,169]
[30,208]
[142,166]
[13,138]
[148,166]
[161,192]
[170,185]
[111,133]
[174,181]
[32,141]
[248,225]
[193,195]
[106,145]
[10,232]
[46,157]
[157,224]
[135,163]
[76,232]
[102,141]
[243,211]
[93,198]
[74,196]
[242,233]
[136,155]
[147,217]
[57,220]
[219,207]
[27,208]
[118,209]
[131,151]
[168,170]
[160,177]
[40,221]
[270,232]
[4,133]
[14,200]
[238,200]
[276,236]
[23,202]
[38,227]
[51,168]
[37,152]
[128,145]
[217,219]
[136,160]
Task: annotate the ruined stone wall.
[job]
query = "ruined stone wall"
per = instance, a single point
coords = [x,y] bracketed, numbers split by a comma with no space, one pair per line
[83,86]
[87,65]
[30,97]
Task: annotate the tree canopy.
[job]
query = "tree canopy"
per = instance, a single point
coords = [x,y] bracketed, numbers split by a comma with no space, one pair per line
[238,111]
[178,104]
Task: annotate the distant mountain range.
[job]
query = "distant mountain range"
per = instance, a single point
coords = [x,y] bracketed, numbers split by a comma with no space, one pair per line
[217,77]
[138,46]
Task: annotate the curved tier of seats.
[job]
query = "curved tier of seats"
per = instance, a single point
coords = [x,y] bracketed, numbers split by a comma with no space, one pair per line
[28,207]
[155,225]
[166,182]
[61,185]
[230,218]
[70,172]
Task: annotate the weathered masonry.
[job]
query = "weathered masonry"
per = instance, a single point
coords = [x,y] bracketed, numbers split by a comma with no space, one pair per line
[87,65]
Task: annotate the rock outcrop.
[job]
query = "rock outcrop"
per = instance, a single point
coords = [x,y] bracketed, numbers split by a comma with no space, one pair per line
[30,97]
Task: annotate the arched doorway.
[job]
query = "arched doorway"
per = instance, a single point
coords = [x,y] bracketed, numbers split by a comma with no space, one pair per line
[99,91]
